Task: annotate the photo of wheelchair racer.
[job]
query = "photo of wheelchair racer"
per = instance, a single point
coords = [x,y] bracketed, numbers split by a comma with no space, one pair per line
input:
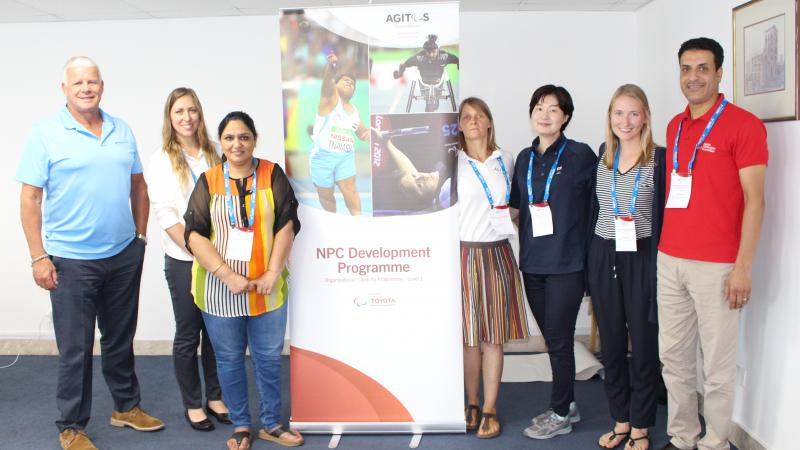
[431,63]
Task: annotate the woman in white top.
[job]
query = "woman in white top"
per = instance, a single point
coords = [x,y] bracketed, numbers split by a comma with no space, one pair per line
[491,291]
[186,153]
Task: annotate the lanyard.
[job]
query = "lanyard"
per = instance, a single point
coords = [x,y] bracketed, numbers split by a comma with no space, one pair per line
[486,186]
[703,137]
[229,197]
[194,176]
[549,176]
[635,192]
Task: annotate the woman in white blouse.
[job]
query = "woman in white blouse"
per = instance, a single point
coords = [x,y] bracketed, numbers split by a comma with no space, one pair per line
[186,153]
[493,311]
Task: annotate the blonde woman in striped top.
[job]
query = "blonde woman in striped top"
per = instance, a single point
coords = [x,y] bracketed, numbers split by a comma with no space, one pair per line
[491,291]
[621,270]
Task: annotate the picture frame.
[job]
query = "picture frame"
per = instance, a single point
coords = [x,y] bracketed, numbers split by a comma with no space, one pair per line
[765,59]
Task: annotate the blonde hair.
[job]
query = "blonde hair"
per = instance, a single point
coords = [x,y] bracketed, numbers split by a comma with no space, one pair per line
[645,137]
[172,147]
[481,106]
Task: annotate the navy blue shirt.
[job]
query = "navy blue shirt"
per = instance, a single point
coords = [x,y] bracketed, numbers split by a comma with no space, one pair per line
[564,251]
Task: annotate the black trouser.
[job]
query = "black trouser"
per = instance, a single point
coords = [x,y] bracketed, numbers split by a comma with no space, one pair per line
[620,292]
[555,301]
[190,331]
[105,290]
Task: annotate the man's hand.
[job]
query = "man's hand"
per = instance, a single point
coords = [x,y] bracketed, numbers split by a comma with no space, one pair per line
[45,274]
[332,59]
[397,74]
[264,284]
[737,287]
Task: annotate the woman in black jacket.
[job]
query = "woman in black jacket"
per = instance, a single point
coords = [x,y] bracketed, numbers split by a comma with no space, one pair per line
[626,216]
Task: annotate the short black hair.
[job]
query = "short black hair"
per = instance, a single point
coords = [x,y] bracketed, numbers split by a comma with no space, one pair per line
[704,43]
[561,94]
[237,115]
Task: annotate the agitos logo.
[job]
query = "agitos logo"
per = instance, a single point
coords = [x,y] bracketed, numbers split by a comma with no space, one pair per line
[407,17]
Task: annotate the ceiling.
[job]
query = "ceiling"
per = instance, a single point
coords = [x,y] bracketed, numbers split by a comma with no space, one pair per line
[16,11]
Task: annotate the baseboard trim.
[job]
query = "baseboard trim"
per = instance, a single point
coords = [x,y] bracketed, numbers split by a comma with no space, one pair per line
[739,437]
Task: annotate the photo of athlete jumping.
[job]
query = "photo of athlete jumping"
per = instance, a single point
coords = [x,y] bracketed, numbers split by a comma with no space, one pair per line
[431,63]
[336,127]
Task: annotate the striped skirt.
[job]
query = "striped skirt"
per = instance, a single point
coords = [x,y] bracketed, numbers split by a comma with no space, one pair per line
[491,294]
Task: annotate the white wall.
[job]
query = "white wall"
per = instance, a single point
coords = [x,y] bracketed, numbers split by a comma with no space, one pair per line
[767,359]
[234,63]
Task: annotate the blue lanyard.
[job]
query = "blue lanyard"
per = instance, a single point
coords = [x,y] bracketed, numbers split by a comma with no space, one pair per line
[486,186]
[229,197]
[703,137]
[194,177]
[635,192]
[549,176]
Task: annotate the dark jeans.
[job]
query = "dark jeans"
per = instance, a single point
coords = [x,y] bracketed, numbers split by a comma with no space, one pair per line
[190,332]
[619,283]
[555,301]
[105,290]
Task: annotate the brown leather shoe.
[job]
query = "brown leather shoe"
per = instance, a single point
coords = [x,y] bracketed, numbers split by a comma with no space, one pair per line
[72,439]
[136,419]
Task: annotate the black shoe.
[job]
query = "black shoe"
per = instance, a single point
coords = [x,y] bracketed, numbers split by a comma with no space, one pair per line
[203,425]
[221,417]
[669,446]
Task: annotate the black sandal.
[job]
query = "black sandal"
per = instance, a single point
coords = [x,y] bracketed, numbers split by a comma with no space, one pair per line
[468,414]
[615,435]
[632,441]
[239,436]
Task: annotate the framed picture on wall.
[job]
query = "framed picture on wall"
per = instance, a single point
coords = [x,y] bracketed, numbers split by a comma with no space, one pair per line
[765,72]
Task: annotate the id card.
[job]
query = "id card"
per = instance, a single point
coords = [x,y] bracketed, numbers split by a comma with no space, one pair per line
[240,245]
[541,219]
[500,218]
[625,234]
[679,191]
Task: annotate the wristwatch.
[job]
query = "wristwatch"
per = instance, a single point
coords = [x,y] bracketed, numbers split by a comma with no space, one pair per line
[142,237]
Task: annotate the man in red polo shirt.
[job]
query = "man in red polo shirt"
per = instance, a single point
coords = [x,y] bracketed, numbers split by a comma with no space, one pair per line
[715,204]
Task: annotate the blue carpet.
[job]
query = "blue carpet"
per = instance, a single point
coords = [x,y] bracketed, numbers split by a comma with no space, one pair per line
[27,396]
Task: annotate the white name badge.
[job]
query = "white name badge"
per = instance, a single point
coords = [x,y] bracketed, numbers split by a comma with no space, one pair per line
[680,190]
[240,245]
[625,234]
[541,219]
[500,218]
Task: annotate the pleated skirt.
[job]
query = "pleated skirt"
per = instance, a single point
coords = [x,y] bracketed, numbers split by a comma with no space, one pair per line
[493,309]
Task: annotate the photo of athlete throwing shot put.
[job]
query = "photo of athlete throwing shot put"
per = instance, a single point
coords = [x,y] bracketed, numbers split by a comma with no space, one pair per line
[336,127]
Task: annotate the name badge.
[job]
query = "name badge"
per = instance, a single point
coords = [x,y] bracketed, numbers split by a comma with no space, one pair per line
[679,191]
[500,217]
[625,234]
[240,245]
[541,219]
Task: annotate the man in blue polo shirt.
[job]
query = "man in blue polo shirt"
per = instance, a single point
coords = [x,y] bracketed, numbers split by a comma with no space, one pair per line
[95,216]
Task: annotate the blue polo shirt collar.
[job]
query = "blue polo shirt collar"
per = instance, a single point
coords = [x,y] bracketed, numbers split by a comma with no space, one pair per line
[69,122]
[553,147]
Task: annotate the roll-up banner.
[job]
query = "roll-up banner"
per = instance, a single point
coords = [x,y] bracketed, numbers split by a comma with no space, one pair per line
[369,97]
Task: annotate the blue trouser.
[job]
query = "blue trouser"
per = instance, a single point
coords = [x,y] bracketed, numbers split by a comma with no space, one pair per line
[105,290]
[264,334]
